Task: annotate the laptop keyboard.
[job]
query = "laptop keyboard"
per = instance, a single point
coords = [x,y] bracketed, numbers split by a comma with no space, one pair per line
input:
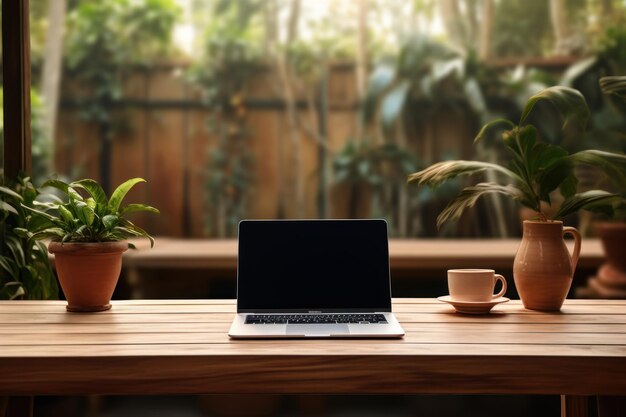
[315,318]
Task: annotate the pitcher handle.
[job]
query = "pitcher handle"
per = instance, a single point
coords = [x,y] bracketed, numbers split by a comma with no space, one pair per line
[572,231]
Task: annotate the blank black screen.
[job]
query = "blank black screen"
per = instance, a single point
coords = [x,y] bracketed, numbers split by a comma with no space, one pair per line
[303,265]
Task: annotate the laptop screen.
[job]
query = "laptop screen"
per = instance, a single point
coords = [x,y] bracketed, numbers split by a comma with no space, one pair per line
[313,265]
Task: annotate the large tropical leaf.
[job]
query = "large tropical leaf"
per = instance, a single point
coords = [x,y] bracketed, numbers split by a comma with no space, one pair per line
[569,103]
[447,170]
[613,164]
[585,200]
[469,195]
[120,192]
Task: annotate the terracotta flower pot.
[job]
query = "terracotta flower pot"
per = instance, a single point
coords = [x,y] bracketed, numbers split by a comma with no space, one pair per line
[88,272]
[543,268]
[613,237]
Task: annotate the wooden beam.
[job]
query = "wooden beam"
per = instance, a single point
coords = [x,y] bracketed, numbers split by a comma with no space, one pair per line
[16,80]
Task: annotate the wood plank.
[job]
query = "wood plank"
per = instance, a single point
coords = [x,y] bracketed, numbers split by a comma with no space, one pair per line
[446,317]
[264,349]
[201,369]
[164,338]
[222,327]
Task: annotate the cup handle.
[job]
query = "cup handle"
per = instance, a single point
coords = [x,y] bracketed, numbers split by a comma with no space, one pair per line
[572,231]
[499,277]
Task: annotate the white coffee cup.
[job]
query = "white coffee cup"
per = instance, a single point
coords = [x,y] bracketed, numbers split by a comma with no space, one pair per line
[474,284]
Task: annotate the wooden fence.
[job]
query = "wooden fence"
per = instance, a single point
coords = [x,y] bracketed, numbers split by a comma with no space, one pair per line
[167,142]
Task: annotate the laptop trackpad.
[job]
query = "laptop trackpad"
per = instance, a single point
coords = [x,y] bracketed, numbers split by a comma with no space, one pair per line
[317,330]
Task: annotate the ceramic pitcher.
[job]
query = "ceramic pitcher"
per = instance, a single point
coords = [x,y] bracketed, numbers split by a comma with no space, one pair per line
[543,268]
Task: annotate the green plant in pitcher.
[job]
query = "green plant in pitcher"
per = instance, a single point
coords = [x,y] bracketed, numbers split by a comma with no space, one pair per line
[535,168]
[87,215]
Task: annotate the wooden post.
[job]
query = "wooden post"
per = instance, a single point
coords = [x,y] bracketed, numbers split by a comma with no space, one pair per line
[16,76]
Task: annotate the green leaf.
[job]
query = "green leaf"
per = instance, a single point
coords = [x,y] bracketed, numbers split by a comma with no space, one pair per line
[120,192]
[43,214]
[138,231]
[579,69]
[7,207]
[569,186]
[447,170]
[468,197]
[552,177]
[91,203]
[66,214]
[12,290]
[544,155]
[110,221]
[94,189]
[15,246]
[9,265]
[85,213]
[51,232]
[21,232]
[569,103]
[10,193]
[613,164]
[614,85]
[393,103]
[131,208]
[491,124]
[74,195]
[582,200]
[58,184]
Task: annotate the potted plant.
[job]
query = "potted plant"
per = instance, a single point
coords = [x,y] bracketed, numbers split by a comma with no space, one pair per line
[88,233]
[542,269]
[25,272]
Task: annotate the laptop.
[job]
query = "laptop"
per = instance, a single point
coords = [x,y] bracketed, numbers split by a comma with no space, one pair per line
[313,278]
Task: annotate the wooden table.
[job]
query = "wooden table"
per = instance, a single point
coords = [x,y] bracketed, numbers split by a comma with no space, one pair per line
[181,347]
[403,253]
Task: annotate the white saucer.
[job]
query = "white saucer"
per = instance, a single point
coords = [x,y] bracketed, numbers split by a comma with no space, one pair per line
[473,307]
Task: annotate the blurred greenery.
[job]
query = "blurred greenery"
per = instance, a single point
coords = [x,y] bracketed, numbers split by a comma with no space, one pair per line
[106,38]
[420,74]
[25,271]
[230,57]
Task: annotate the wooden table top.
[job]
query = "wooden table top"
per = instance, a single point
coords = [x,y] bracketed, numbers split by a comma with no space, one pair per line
[175,346]
[403,253]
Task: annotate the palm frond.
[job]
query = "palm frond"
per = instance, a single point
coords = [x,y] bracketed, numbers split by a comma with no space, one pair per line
[469,195]
[584,200]
[447,170]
